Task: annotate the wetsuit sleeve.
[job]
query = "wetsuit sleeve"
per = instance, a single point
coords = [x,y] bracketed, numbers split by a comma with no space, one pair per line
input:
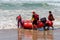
[32,17]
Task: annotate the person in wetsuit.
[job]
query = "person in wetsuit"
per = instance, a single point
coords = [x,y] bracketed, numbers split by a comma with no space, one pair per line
[51,18]
[35,18]
[19,19]
[43,20]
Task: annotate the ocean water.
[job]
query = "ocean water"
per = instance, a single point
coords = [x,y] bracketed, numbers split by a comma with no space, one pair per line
[9,12]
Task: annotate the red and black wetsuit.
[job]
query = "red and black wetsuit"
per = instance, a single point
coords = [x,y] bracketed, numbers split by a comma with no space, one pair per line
[50,17]
[19,20]
[36,18]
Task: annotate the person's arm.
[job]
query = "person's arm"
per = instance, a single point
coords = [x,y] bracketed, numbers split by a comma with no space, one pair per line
[16,18]
[21,18]
[53,17]
[32,17]
[48,17]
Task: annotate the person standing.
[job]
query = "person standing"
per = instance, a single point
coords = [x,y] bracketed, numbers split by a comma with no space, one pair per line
[51,18]
[35,18]
[19,19]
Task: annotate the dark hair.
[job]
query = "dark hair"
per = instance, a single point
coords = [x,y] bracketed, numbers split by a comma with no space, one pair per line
[50,12]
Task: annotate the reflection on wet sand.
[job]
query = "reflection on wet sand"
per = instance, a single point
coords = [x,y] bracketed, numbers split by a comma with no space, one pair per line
[25,34]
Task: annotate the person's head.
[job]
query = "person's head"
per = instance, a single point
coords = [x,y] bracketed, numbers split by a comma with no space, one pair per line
[33,12]
[50,12]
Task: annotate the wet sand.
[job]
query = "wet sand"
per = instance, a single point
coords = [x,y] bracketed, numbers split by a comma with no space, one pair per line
[8,34]
[25,34]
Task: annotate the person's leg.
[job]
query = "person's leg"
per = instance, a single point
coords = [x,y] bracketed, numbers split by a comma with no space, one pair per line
[21,24]
[35,27]
[47,26]
[34,24]
[52,28]
[18,24]
[44,27]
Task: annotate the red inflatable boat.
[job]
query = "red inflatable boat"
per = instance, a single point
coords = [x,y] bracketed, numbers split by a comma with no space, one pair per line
[28,24]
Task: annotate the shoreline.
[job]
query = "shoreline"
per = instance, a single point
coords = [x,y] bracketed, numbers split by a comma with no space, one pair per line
[55,26]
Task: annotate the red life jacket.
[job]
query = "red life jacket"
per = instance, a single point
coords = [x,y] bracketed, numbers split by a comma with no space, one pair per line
[19,17]
[36,16]
[51,18]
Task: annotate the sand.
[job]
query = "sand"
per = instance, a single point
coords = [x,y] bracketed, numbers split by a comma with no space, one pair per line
[8,34]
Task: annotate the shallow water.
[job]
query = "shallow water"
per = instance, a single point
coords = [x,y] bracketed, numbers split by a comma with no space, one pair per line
[39,35]
[8,34]
[25,34]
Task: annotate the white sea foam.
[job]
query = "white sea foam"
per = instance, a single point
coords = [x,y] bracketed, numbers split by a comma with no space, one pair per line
[56,22]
